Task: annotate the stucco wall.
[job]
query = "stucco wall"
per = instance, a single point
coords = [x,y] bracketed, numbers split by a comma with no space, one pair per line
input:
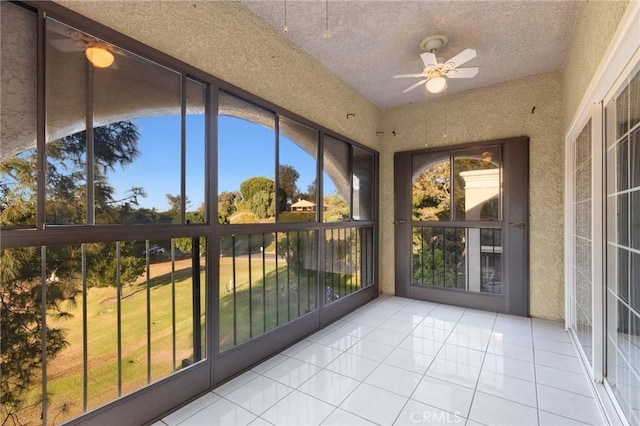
[226,40]
[230,42]
[593,30]
[499,111]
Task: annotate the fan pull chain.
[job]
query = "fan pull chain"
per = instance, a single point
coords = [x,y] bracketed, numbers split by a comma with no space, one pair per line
[445,113]
[327,31]
[426,120]
[285,29]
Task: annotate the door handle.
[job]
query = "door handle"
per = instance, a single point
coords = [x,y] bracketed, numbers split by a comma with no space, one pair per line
[519,225]
[399,222]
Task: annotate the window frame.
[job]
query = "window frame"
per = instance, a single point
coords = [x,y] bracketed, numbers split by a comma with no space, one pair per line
[151,401]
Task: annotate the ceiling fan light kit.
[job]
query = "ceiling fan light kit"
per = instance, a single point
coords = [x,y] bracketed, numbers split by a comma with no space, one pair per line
[99,56]
[436,84]
[434,72]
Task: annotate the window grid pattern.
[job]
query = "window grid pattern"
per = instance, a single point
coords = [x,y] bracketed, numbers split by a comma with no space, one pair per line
[581,241]
[623,247]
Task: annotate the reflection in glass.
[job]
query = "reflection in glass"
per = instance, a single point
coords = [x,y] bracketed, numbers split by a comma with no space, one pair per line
[137,147]
[431,187]
[246,162]
[623,241]
[622,112]
[127,168]
[581,240]
[348,265]
[634,154]
[18,110]
[195,160]
[477,184]
[266,280]
[336,180]
[363,184]
[297,152]
[490,260]
[634,100]
[66,147]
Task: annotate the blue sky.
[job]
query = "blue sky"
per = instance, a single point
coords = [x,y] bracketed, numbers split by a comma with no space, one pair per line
[246,150]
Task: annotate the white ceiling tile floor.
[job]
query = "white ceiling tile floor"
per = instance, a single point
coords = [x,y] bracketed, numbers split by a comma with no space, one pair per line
[381,375]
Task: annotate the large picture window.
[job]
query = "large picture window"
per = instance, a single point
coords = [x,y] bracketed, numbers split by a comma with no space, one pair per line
[114,163]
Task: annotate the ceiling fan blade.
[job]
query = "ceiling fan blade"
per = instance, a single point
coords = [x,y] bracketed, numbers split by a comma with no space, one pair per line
[429,59]
[408,75]
[462,57]
[66,45]
[463,72]
[408,89]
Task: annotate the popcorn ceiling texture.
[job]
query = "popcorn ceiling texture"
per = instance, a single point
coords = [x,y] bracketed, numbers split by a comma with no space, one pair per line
[227,41]
[501,111]
[594,28]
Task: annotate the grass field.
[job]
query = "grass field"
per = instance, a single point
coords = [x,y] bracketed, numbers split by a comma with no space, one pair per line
[266,296]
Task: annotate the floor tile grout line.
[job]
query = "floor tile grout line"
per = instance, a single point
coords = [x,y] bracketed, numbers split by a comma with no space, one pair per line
[564,417]
[396,309]
[382,361]
[361,383]
[430,364]
[475,390]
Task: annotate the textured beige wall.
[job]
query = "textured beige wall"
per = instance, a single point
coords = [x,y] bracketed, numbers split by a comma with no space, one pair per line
[230,42]
[596,24]
[500,111]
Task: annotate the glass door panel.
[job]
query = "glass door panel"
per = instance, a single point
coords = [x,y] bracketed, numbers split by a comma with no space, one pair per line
[623,247]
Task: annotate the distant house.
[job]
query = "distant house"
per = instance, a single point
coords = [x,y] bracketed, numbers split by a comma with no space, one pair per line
[303,206]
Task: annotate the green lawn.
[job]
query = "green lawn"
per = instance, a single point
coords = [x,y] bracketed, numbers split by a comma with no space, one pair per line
[273,296]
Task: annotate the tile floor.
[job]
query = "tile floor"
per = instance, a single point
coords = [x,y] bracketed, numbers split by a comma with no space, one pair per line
[398,361]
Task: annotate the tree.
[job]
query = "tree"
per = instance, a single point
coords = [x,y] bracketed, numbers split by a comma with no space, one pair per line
[175,206]
[337,208]
[21,313]
[431,193]
[287,178]
[227,205]
[311,191]
[259,196]
[255,184]
[439,257]
[102,264]
[23,322]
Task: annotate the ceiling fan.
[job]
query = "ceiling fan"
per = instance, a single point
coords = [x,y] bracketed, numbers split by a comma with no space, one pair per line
[100,54]
[434,73]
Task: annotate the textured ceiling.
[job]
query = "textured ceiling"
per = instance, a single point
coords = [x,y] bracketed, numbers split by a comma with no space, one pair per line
[372,41]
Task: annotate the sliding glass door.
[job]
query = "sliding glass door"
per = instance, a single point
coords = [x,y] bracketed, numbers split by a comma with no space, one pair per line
[623,246]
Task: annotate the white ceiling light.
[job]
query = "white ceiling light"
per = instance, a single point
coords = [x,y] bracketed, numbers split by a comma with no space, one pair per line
[99,56]
[434,72]
[436,84]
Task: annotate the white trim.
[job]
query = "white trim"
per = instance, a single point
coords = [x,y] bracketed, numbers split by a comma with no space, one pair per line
[598,244]
[608,407]
[568,237]
[621,49]
[621,54]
